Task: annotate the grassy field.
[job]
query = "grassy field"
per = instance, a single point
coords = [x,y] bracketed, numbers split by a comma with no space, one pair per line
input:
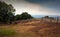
[31,28]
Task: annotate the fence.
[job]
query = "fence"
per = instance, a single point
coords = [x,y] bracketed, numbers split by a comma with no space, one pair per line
[53,19]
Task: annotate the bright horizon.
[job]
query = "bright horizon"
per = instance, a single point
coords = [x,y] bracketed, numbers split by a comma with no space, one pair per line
[34,7]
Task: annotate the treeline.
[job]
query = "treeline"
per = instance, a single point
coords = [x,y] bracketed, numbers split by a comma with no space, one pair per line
[7,14]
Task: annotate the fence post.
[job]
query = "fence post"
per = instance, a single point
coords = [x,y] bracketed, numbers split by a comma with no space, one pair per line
[57,20]
[50,20]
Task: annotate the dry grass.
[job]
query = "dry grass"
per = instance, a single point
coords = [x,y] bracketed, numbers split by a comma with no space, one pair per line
[35,28]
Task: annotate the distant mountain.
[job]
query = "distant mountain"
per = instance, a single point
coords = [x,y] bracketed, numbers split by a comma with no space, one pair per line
[40,16]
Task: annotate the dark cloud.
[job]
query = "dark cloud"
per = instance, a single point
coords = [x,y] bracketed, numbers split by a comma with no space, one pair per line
[42,1]
[24,5]
[53,4]
[45,2]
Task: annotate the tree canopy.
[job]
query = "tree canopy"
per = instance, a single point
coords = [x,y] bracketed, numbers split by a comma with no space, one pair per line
[6,12]
[23,16]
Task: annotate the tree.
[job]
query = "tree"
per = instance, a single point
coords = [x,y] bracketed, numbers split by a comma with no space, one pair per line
[18,17]
[6,12]
[46,16]
[25,15]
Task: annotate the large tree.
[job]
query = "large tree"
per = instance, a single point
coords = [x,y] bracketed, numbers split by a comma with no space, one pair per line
[6,12]
[25,15]
[18,17]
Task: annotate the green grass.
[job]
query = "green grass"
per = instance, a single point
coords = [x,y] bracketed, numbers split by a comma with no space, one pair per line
[7,32]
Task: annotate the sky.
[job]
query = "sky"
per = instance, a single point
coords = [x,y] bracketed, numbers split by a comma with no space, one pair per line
[36,7]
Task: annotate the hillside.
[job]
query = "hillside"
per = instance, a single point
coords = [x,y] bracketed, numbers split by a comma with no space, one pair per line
[35,28]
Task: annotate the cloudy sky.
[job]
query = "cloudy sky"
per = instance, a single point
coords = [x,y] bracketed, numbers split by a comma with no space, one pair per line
[36,7]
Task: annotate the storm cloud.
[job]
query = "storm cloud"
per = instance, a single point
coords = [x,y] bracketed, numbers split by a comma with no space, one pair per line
[36,7]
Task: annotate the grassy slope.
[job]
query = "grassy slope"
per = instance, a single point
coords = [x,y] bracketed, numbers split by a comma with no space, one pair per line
[35,28]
